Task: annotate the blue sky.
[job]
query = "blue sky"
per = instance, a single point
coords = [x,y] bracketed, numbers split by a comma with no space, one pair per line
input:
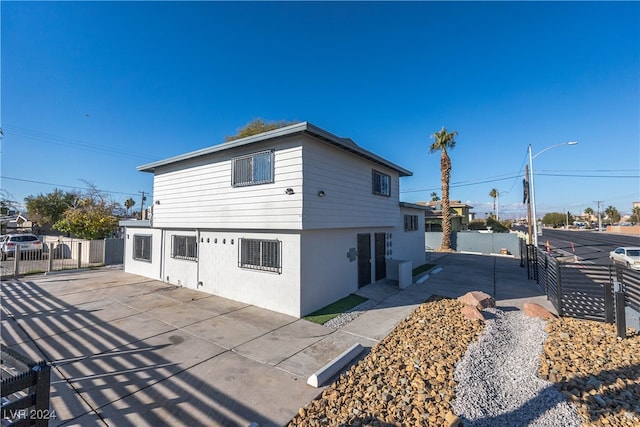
[90,90]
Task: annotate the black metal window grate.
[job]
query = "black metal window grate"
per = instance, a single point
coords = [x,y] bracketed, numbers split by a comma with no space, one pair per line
[262,255]
[252,169]
[142,247]
[184,247]
[381,183]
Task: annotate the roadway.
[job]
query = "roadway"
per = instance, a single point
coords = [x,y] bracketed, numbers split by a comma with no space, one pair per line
[589,246]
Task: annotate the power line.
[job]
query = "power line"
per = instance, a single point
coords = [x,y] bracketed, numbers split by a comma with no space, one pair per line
[588,176]
[517,176]
[63,186]
[69,142]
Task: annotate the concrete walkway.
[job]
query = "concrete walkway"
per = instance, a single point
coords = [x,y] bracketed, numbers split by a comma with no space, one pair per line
[130,351]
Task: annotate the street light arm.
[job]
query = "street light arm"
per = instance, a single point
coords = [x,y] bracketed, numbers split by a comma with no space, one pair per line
[533,190]
[553,146]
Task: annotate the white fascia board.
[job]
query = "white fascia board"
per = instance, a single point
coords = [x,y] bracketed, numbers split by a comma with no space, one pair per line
[303,127]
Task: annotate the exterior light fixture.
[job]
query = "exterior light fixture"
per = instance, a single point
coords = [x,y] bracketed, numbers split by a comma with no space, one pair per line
[289,191]
[321,193]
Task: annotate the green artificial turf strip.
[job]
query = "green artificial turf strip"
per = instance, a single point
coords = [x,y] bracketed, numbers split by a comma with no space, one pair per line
[334,309]
[422,268]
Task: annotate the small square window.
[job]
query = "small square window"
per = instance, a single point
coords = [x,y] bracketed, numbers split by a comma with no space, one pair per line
[142,247]
[184,247]
[252,169]
[381,184]
[411,223]
[262,255]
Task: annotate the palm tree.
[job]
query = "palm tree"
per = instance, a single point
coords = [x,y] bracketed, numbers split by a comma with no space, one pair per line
[443,140]
[636,214]
[434,197]
[129,203]
[494,194]
[612,214]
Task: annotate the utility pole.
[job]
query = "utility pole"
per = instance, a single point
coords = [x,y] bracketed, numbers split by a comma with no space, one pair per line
[599,219]
[143,198]
[527,199]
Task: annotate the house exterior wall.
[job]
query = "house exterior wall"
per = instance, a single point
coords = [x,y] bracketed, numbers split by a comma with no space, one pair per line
[327,274]
[221,275]
[151,268]
[199,194]
[177,271]
[348,193]
[409,245]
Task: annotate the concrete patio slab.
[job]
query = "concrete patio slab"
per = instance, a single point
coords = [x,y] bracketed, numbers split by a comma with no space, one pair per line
[280,344]
[216,304]
[112,376]
[317,355]
[180,315]
[224,331]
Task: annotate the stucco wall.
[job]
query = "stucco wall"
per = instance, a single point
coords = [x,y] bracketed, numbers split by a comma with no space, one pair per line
[151,268]
[220,274]
[472,241]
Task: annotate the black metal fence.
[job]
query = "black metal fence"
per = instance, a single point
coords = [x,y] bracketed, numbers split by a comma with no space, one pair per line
[582,290]
[25,390]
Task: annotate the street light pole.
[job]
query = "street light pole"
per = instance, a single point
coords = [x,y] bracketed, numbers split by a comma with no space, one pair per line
[533,189]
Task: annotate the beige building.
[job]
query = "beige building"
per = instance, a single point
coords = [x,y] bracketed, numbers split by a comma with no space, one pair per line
[461,215]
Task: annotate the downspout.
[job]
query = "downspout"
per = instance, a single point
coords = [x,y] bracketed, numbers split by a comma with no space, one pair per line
[198,282]
[162,261]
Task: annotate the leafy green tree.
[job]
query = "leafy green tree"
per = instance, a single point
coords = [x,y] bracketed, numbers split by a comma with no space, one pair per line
[434,197]
[554,218]
[47,209]
[444,140]
[88,219]
[91,216]
[496,226]
[6,202]
[588,211]
[257,126]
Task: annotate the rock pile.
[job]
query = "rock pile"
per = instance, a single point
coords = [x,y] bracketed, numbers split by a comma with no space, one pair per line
[595,370]
[407,379]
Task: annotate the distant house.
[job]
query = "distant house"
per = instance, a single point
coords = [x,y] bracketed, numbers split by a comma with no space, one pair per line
[461,215]
[17,223]
[289,220]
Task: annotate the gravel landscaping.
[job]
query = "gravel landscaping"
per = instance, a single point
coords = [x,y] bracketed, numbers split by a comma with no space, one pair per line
[438,368]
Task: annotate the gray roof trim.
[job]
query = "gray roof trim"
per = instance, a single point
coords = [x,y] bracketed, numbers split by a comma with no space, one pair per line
[303,127]
[414,206]
[145,223]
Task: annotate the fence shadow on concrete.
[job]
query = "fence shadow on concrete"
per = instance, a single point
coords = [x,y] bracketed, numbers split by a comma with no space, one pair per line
[103,374]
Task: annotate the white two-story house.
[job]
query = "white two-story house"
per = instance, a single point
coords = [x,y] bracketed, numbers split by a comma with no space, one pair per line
[289,220]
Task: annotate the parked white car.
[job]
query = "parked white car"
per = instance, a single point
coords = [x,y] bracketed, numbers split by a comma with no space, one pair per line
[28,243]
[629,256]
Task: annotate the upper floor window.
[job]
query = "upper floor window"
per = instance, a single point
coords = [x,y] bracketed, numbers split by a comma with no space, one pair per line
[252,169]
[411,223]
[381,184]
[184,247]
[142,247]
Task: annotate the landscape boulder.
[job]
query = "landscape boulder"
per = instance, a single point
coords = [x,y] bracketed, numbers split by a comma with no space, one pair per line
[477,299]
[536,310]
[472,313]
